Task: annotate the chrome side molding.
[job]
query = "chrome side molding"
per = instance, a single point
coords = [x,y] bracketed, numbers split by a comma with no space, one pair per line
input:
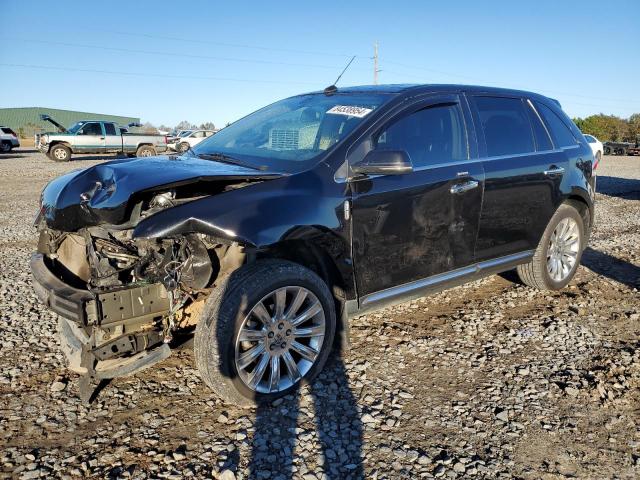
[442,281]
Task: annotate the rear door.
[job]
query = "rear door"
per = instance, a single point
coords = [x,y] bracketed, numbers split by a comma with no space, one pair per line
[113,139]
[412,226]
[523,172]
[90,138]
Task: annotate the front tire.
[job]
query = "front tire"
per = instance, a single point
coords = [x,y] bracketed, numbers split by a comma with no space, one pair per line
[60,153]
[266,329]
[558,254]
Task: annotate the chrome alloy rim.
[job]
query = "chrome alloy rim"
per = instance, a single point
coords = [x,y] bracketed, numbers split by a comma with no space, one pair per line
[146,153]
[564,246]
[60,154]
[280,339]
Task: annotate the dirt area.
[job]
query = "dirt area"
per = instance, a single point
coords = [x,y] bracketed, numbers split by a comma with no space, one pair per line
[489,380]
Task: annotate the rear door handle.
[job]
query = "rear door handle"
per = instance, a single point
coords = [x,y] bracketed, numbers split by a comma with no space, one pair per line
[463,187]
[553,170]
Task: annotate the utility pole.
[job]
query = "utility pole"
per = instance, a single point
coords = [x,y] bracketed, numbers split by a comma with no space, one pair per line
[375,63]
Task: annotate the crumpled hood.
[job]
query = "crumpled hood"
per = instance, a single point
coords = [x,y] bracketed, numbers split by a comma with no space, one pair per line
[101,194]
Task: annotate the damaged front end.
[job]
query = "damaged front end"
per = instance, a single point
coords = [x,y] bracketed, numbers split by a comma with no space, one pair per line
[123,299]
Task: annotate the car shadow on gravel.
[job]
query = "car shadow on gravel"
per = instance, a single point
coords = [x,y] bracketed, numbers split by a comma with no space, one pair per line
[626,188]
[611,267]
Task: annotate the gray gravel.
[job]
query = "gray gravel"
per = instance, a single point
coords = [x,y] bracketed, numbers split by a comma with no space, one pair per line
[489,380]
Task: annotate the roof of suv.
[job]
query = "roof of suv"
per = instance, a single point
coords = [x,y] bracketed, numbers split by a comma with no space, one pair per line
[425,88]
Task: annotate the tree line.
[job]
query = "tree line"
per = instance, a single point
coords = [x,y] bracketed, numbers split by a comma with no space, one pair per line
[610,128]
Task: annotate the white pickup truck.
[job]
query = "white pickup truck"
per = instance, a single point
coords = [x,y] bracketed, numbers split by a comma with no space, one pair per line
[95,136]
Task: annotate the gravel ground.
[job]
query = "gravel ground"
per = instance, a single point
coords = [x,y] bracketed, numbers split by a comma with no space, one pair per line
[489,380]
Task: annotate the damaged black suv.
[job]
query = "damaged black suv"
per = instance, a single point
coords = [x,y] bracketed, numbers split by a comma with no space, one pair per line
[266,238]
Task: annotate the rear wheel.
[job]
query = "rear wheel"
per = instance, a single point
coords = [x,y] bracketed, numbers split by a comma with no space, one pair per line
[558,254]
[266,329]
[60,153]
[5,147]
[145,151]
[183,147]
[607,150]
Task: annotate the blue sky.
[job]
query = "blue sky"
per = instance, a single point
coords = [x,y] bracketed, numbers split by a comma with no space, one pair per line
[217,61]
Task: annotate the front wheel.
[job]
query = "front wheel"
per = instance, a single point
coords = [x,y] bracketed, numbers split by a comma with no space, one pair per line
[558,254]
[266,328]
[60,153]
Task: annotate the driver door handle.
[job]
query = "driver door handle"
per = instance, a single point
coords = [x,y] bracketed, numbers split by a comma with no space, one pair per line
[464,186]
[553,170]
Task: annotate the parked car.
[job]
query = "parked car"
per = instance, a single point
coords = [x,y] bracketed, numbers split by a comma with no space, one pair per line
[8,140]
[271,234]
[94,136]
[188,139]
[596,147]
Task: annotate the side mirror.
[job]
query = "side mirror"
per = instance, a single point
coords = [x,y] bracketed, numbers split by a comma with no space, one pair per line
[384,162]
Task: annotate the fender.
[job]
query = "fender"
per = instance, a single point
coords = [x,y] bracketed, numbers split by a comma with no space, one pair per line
[277,216]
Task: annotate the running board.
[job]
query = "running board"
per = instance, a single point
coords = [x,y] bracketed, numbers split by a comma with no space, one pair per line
[437,283]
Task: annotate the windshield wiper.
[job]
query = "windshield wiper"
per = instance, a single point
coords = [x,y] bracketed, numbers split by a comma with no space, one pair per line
[221,157]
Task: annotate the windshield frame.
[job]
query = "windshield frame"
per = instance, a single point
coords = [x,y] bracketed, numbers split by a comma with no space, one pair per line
[76,126]
[294,166]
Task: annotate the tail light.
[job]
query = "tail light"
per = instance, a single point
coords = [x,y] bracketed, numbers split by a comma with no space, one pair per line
[165,139]
[596,162]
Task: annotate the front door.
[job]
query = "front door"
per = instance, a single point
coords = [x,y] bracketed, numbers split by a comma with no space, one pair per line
[412,226]
[90,138]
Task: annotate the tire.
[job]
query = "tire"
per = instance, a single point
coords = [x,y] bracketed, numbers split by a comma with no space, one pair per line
[145,151]
[218,350]
[60,153]
[537,272]
[607,150]
[183,147]
[5,147]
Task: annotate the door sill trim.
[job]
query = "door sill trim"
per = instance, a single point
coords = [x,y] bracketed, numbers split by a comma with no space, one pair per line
[439,282]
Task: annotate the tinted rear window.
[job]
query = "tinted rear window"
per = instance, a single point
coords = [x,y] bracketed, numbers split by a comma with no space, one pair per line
[8,130]
[506,126]
[562,136]
[543,142]
[110,129]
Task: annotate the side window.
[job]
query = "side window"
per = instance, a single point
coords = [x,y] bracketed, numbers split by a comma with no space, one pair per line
[543,142]
[560,133]
[110,129]
[91,129]
[199,134]
[430,136]
[506,126]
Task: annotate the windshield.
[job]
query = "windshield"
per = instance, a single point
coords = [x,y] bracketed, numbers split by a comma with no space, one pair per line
[292,131]
[75,127]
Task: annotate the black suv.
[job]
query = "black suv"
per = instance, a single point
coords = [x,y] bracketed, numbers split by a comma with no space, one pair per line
[267,237]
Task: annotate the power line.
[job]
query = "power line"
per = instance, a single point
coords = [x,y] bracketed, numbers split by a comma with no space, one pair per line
[158,75]
[181,54]
[234,45]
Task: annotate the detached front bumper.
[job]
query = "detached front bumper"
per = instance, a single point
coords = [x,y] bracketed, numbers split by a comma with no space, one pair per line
[87,308]
[68,302]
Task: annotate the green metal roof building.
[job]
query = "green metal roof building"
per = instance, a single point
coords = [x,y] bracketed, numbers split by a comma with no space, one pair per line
[26,121]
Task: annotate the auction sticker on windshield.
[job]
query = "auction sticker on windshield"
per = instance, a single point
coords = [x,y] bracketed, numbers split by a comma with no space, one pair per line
[350,111]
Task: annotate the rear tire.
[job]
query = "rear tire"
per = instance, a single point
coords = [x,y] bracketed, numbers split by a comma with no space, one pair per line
[607,150]
[232,309]
[60,153]
[556,258]
[5,147]
[183,147]
[145,151]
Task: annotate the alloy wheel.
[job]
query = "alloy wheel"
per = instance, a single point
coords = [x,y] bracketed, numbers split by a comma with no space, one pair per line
[563,249]
[60,154]
[280,339]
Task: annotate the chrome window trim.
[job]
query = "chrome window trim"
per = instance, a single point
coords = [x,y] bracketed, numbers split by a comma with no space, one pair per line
[544,125]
